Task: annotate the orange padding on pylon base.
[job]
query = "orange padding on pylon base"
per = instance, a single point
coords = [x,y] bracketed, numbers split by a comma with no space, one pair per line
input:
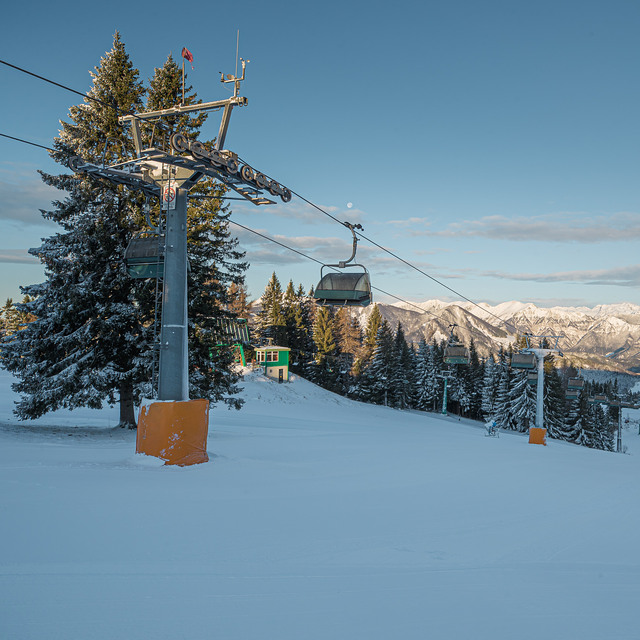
[537,435]
[176,431]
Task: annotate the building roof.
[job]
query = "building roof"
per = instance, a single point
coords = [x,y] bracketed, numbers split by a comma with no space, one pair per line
[272,347]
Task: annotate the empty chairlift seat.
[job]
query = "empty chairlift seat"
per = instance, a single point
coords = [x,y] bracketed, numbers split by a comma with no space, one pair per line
[523,360]
[456,354]
[344,288]
[574,387]
[143,258]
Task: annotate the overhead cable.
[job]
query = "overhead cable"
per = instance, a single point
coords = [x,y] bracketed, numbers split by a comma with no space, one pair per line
[373,242]
[304,255]
[406,262]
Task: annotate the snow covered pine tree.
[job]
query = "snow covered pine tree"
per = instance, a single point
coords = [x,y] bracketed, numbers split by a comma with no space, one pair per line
[92,338]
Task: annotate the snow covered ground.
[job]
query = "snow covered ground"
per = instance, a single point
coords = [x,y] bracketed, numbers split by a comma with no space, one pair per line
[317,518]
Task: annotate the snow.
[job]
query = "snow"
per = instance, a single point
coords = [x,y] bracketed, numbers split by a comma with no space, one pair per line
[316,518]
[507,310]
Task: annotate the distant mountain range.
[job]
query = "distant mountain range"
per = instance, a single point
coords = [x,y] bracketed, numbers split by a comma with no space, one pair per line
[605,337]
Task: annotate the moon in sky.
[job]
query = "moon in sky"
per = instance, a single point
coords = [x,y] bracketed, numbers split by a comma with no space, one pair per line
[349,205]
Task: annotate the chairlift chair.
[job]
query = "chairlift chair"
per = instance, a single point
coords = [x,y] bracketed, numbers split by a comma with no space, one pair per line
[143,257]
[524,360]
[344,288]
[455,352]
[574,387]
[532,378]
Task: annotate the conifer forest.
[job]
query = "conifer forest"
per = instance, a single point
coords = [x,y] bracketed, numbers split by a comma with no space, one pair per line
[374,363]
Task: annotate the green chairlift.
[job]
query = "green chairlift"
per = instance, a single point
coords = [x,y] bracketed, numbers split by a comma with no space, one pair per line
[524,360]
[144,257]
[344,288]
[574,387]
[455,352]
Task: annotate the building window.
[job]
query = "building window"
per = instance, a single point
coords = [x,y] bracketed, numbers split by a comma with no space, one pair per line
[267,356]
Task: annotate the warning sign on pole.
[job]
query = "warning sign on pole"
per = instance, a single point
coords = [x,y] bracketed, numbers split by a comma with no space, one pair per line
[169,196]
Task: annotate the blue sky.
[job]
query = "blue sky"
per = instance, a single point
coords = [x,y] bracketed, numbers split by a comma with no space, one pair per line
[494,145]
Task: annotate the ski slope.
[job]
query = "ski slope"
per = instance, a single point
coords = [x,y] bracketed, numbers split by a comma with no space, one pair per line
[317,518]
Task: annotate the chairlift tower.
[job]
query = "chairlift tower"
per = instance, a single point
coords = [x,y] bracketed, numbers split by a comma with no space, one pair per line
[538,434]
[446,377]
[168,173]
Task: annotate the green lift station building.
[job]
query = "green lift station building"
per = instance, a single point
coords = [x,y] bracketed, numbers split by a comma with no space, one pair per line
[275,361]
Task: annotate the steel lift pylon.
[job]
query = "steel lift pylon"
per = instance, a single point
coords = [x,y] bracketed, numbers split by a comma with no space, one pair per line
[169,175]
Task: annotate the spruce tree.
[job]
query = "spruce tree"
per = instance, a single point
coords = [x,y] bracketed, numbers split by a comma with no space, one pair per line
[3,316]
[402,372]
[571,430]
[426,378]
[381,367]
[522,401]
[291,316]
[324,372]
[304,312]
[270,319]
[238,305]
[165,91]
[474,375]
[581,421]
[93,337]
[370,337]
[84,346]
[324,335]
[554,406]
[215,263]
[490,382]
[457,392]
[502,407]
[349,335]
[10,318]
[603,430]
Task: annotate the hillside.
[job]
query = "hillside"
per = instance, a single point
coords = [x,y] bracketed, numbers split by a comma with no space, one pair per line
[317,518]
[605,337]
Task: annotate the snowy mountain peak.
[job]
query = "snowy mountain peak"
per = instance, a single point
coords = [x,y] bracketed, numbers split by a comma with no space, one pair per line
[587,334]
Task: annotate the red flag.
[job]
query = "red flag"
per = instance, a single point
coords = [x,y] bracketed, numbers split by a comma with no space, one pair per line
[187,55]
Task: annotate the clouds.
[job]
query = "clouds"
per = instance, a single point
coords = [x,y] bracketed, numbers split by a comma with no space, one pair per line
[17,256]
[560,227]
[21,200]
[265,250]
[628,276]
[22,195]
[301,212]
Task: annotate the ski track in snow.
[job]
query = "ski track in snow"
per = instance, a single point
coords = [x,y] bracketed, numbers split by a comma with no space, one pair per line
[317,517]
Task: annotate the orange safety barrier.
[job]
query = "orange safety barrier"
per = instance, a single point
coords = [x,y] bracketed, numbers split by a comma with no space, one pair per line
[175,432]
[537,435]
